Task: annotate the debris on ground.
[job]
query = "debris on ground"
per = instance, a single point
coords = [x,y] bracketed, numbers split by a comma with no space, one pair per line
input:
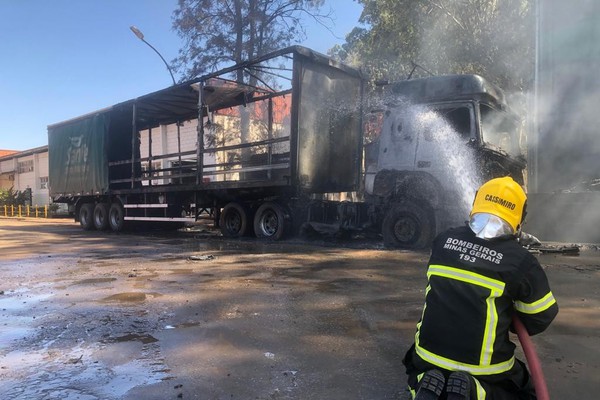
[205,257]
[571,249]
[74,360]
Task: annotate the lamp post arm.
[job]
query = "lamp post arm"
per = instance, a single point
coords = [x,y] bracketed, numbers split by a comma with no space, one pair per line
[162,58]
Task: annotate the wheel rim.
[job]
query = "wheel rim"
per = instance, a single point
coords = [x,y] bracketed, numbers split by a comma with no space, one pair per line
[269,223]
[115,219]
[406,229]
[99,218]
[84,217]
[233,221]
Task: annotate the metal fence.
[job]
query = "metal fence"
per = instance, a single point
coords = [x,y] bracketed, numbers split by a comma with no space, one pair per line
[25,211]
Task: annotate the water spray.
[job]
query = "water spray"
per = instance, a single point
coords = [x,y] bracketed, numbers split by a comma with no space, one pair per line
[452,148]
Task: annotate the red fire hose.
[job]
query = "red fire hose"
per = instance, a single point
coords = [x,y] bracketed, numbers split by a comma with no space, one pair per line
[535,367]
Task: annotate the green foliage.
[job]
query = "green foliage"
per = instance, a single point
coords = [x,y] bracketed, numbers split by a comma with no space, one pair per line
[53,208]
[11,197]
[488,37]
[218,33]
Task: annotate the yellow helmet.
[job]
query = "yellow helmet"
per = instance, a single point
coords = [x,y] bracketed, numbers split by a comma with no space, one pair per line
[504,198]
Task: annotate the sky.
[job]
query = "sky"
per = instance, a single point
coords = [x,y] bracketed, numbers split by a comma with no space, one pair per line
[64,58]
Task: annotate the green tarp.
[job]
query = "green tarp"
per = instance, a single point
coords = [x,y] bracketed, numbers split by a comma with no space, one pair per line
[77,156]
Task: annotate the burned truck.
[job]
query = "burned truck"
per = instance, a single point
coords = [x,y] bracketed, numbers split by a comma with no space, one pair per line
[270,146]
[441,137]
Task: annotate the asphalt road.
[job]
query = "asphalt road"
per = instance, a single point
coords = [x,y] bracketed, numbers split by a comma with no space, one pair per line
[91,315]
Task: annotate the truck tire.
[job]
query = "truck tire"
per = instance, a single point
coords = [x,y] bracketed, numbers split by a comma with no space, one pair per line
[270,221]
[116,219]
[101,216]
[86,216]
[234,220]
[407,225]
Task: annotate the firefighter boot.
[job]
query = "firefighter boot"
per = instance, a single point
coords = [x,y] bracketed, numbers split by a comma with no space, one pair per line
[459,386]
[431,385]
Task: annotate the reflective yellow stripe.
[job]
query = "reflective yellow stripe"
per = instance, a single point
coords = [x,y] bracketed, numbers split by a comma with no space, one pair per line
[413,392]
[454,365]
[480,391]
[537,306]
[489,335]
[466,276]
[496,289]
[427,289]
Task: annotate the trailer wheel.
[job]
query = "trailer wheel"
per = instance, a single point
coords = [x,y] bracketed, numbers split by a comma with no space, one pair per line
[101,216]
[407,225]
[86,216]
[116,219]
[234,220]
[270,221]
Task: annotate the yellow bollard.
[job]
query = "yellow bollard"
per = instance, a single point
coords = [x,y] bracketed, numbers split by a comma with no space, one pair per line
[27,210]
[36,210]
[20,211]
[45,211]
[12,210]
[5,210]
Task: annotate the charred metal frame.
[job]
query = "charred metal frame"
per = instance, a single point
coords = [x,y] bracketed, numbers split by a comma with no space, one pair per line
[187,101]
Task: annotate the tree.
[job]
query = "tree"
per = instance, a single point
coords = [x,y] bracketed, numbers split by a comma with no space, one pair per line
[489,37]
[226,32]
[11,197]
[231,31]
[387,44]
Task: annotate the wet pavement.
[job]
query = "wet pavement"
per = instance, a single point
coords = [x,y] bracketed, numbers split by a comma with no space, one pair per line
[91,315]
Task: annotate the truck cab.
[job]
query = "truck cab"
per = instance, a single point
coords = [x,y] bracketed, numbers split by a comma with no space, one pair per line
[441,137]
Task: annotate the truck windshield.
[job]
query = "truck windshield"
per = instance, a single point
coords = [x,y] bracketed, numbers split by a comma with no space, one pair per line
[500,130]
[458,118]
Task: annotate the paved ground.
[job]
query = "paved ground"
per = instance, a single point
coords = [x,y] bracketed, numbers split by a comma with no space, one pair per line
[88,315]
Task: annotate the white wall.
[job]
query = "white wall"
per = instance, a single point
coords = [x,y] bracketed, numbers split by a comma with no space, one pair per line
[164,141]
[28,179]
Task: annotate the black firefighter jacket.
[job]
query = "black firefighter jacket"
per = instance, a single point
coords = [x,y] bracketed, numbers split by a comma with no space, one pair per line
[474,288]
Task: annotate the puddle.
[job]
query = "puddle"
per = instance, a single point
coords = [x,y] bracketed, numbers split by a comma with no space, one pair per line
[93,281]
[130,297]
[183,325]
[132,337]
[18,328]
[14,325]
[68,363]
[42,376]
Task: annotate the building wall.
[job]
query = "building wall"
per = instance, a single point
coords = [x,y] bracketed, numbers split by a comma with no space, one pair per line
[7,173]
[27,170]
[164,141]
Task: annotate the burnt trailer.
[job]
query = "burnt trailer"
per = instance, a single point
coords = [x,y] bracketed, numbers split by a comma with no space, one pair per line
[249,144]
[276,144]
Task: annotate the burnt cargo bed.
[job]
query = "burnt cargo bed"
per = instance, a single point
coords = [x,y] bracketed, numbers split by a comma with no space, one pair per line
[281,127]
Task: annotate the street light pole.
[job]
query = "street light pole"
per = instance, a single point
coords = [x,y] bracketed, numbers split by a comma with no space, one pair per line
[140,36]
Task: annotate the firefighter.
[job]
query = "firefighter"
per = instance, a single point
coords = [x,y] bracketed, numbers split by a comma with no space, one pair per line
[478,277]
